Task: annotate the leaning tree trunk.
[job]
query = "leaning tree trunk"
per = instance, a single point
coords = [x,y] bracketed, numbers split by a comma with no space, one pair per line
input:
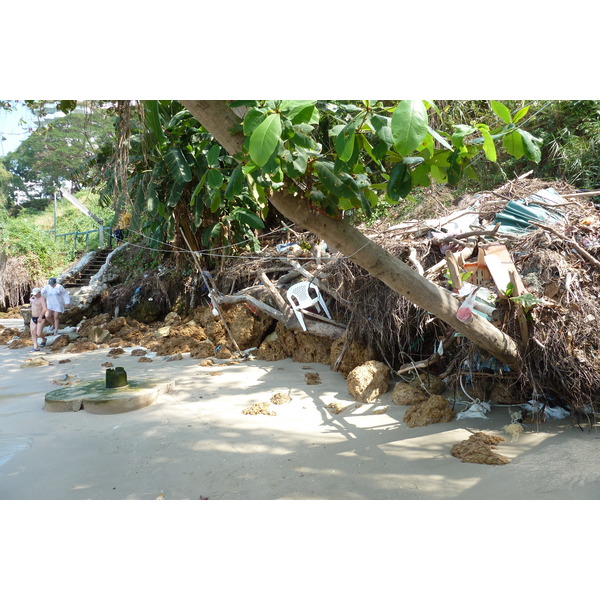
[219,120]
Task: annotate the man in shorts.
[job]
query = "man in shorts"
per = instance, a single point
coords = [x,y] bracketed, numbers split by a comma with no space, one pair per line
[38,312]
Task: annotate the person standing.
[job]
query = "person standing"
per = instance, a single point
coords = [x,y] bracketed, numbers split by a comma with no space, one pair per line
[38,315]
[56,300]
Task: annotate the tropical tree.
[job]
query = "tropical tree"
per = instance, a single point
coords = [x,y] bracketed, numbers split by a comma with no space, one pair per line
[55,153]
[315,160]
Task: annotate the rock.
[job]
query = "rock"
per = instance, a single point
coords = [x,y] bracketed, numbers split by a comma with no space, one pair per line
[260,408]
[98,334]
[271,349]
[203,350]
[62,341]
[368,381]
[431,383]
[478,449]
[406,394]
[336,407]
[222,352]
[138,352]
[83,346]
[175,357]
[355,355]
[434,410]
[280,398]
[115,325]
[115,352]
[20,342]
[171,318]
[145,359]
[162,332]
[39,361]
[312,378]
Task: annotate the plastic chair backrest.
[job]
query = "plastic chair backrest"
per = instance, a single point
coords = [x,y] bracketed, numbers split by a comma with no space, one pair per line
[299,294]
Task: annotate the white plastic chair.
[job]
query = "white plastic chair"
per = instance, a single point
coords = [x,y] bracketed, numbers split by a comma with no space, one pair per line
[299,296]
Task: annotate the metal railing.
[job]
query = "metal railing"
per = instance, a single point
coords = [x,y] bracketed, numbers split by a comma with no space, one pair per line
[76,234]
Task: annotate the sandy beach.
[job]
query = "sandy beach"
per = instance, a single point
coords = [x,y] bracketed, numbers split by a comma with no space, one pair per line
[195,442]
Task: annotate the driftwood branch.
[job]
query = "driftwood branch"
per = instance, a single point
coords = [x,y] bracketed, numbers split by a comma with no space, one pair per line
[466,234]
[283,306]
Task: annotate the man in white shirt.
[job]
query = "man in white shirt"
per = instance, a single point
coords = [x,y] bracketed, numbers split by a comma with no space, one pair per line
[56,299]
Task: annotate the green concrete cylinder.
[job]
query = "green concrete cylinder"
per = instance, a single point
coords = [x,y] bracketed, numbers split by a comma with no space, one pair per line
[116,377]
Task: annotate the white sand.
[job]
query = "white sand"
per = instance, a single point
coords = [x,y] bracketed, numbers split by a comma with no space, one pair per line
[196,442]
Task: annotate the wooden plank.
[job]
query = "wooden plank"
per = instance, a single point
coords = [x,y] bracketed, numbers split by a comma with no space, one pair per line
[500,265]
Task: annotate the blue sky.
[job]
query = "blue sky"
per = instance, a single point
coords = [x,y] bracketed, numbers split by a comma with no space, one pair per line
[12,132]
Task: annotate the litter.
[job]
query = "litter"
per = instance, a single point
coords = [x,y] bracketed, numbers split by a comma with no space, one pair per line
[299,296]
[475,411]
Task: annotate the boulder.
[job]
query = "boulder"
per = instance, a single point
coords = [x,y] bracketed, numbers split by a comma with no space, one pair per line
[98,334]
[434,410]
[406,394]
[368,381]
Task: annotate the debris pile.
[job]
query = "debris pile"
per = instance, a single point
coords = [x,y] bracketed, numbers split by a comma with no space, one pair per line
[525,257]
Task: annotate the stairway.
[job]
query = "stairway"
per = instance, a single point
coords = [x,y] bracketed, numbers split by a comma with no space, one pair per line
[83,278]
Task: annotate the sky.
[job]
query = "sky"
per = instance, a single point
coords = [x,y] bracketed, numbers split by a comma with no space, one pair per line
[12,131]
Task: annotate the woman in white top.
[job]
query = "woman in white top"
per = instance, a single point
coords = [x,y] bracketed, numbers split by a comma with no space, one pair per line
[56,300]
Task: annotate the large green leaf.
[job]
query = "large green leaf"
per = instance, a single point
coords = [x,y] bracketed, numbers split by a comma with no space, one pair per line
[531,146]
[178,167]
[502,111]
[214,178]
[254,117]
[265,139]
[329,178]
[236,183]
[344,142]
[439,138]
[383,129]
[488,143]
[212,156]
[409,125]
[400,182]
[247,217]
[520,114]
[513,144]
[152,198]
[460,131]
[298,111]
[175,193]
[153,120]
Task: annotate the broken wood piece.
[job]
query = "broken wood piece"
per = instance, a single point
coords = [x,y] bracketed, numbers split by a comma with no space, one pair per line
[412,257]
[320,317]
[467,234]
[283,306]
[422,364]
[581,194]
[460,258]
[454,271]
[500,266]
[523,326]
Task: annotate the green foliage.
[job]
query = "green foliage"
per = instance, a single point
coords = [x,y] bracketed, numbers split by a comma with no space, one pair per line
[21,237]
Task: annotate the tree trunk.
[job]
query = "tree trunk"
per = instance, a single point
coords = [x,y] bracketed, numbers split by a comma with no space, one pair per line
[216,117]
